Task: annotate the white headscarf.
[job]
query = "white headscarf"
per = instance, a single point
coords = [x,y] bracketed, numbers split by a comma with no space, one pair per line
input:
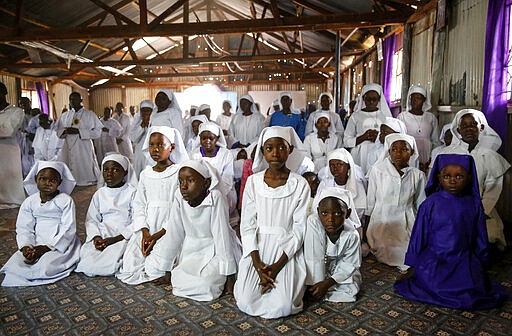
[254,109]
[68,181]
[488,138]
[391,138]
[396,125]
[323,114]
[216,130]
[443,132]
[293,109]
[205,169]
[201,117]
[130,178]
[203,107]
[343,195]
[328,94]
[355,174]
[287,133]
[382,105]
[427,105]
[174,102]
[179,154]
[147,103]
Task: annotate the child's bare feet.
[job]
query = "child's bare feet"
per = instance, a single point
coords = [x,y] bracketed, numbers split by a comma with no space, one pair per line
[165,280]
[230,284]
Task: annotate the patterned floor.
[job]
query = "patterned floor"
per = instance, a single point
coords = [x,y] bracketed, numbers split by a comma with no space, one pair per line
[104,306]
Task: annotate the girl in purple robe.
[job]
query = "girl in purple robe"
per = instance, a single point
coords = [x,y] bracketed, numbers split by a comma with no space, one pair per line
[448,247]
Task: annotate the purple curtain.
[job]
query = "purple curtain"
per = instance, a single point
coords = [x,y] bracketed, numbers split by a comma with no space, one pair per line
[388,50]
[43,100]
[494,101]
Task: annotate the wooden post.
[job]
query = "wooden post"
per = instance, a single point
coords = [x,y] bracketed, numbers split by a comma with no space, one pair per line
[406,63]
[337,73]
[437,67]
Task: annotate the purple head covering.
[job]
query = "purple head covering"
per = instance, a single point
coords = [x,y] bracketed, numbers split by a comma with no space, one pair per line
[465,161]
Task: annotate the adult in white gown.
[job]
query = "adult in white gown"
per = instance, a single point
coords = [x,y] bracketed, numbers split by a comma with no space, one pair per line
[51,223]
[123,140]
[138,134]
[78,127]
[168,112]
[247,123]
[325,100]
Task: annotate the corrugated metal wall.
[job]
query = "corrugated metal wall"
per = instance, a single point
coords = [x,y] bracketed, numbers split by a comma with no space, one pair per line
[100,98]
[12,94]
[421,52]
[465,50]
[135,95]
[60,93]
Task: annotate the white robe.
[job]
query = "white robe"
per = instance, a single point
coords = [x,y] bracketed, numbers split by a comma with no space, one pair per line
[224,121]
[125,145]
[317,150]
[335,121]
[425,130]
[151,210]
[47,145]
[137,136]
[11,179]
[360,122]
[109,215]
[170,117]
[107,140]
[393,202]
[340,261]
[490,167]
[78,151]
[53,224]
[273,222]
[199,244]
[246,129]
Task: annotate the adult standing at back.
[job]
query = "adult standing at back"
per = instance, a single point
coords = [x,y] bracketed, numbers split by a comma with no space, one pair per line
[78,127]
[11,180]
[325,101]
[123,141]
[247,123]
[168,111]
[288,115]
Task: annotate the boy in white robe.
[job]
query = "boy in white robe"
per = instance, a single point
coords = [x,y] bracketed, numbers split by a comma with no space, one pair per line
[246,124]
[192,131]
[332,248]
[322,141]
[325,100]
[111,129]
[47,145]
[395,191]
[108,222]
[138,134]
[49,248]
[78,127]
[272,272]
[199,239]
[145,258]
[123,140]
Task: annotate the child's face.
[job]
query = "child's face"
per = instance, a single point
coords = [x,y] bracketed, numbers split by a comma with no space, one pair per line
[159,147]
[468,129]
[325,102]
[322,124]
[371,100]
[385,130]
[276,152]
[145,112]
[400,153]
[226,107]
[448,137]
[313,183]
[47,181]
[338,168]
[208,140]
[44,122]
[193,185]
[162,101]
[113,174]
[195,126]
[453,179]
[417,100]
[332,215]
[242,155]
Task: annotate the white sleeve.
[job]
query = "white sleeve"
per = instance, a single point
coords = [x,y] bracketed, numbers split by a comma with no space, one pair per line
[350,135]
[372,190]
[25,225]
[350,260]
[93,218]
[67,228]
[248,219]
[222,236]
[91,127]
[139,207]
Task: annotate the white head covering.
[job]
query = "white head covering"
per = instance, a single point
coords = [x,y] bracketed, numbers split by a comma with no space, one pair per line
[205,169]
[293,109]
[193,107]
[203,107]
[391,138]
[201,117]
[287,133]
[355,173]
[488,138]
[254,109]
[146,103]
[250,148]
[215,129]
[323,114]
[427,105]
[343,195]
[328,94]
[443,132]
[174,102]
[68,181]
[276,103]
[130,178]
[179,154]
[382,105]
[396,125]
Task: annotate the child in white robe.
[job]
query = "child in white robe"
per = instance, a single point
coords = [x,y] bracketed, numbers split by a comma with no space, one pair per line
[332,248]
[363,126]
[272,272]
[325,100]
[47,145]
[107,143]
[145,256]
[395,191]
[389,126]
[138,134]
[108,222]
[49,248]
[199,239]
[446,140]
[322,140]
[192,131]
[473,136]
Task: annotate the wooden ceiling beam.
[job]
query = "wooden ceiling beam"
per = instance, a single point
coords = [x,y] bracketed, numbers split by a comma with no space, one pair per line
[166,14]
[117,6]
[314,23]
[311,7]
[114,12]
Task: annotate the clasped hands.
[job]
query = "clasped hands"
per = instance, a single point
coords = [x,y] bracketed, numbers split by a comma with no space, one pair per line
[33,253]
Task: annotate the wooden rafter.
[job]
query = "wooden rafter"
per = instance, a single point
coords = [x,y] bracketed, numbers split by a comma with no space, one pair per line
[311,7]
[143,14]
[166,14]
[114,12]
[117,6]
[19,15]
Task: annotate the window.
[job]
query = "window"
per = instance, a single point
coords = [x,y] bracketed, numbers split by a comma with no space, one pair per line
[396,81]
[32,95]
[509,56]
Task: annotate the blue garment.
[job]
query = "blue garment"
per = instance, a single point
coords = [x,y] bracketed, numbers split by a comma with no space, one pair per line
[449,247]
[293,120]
